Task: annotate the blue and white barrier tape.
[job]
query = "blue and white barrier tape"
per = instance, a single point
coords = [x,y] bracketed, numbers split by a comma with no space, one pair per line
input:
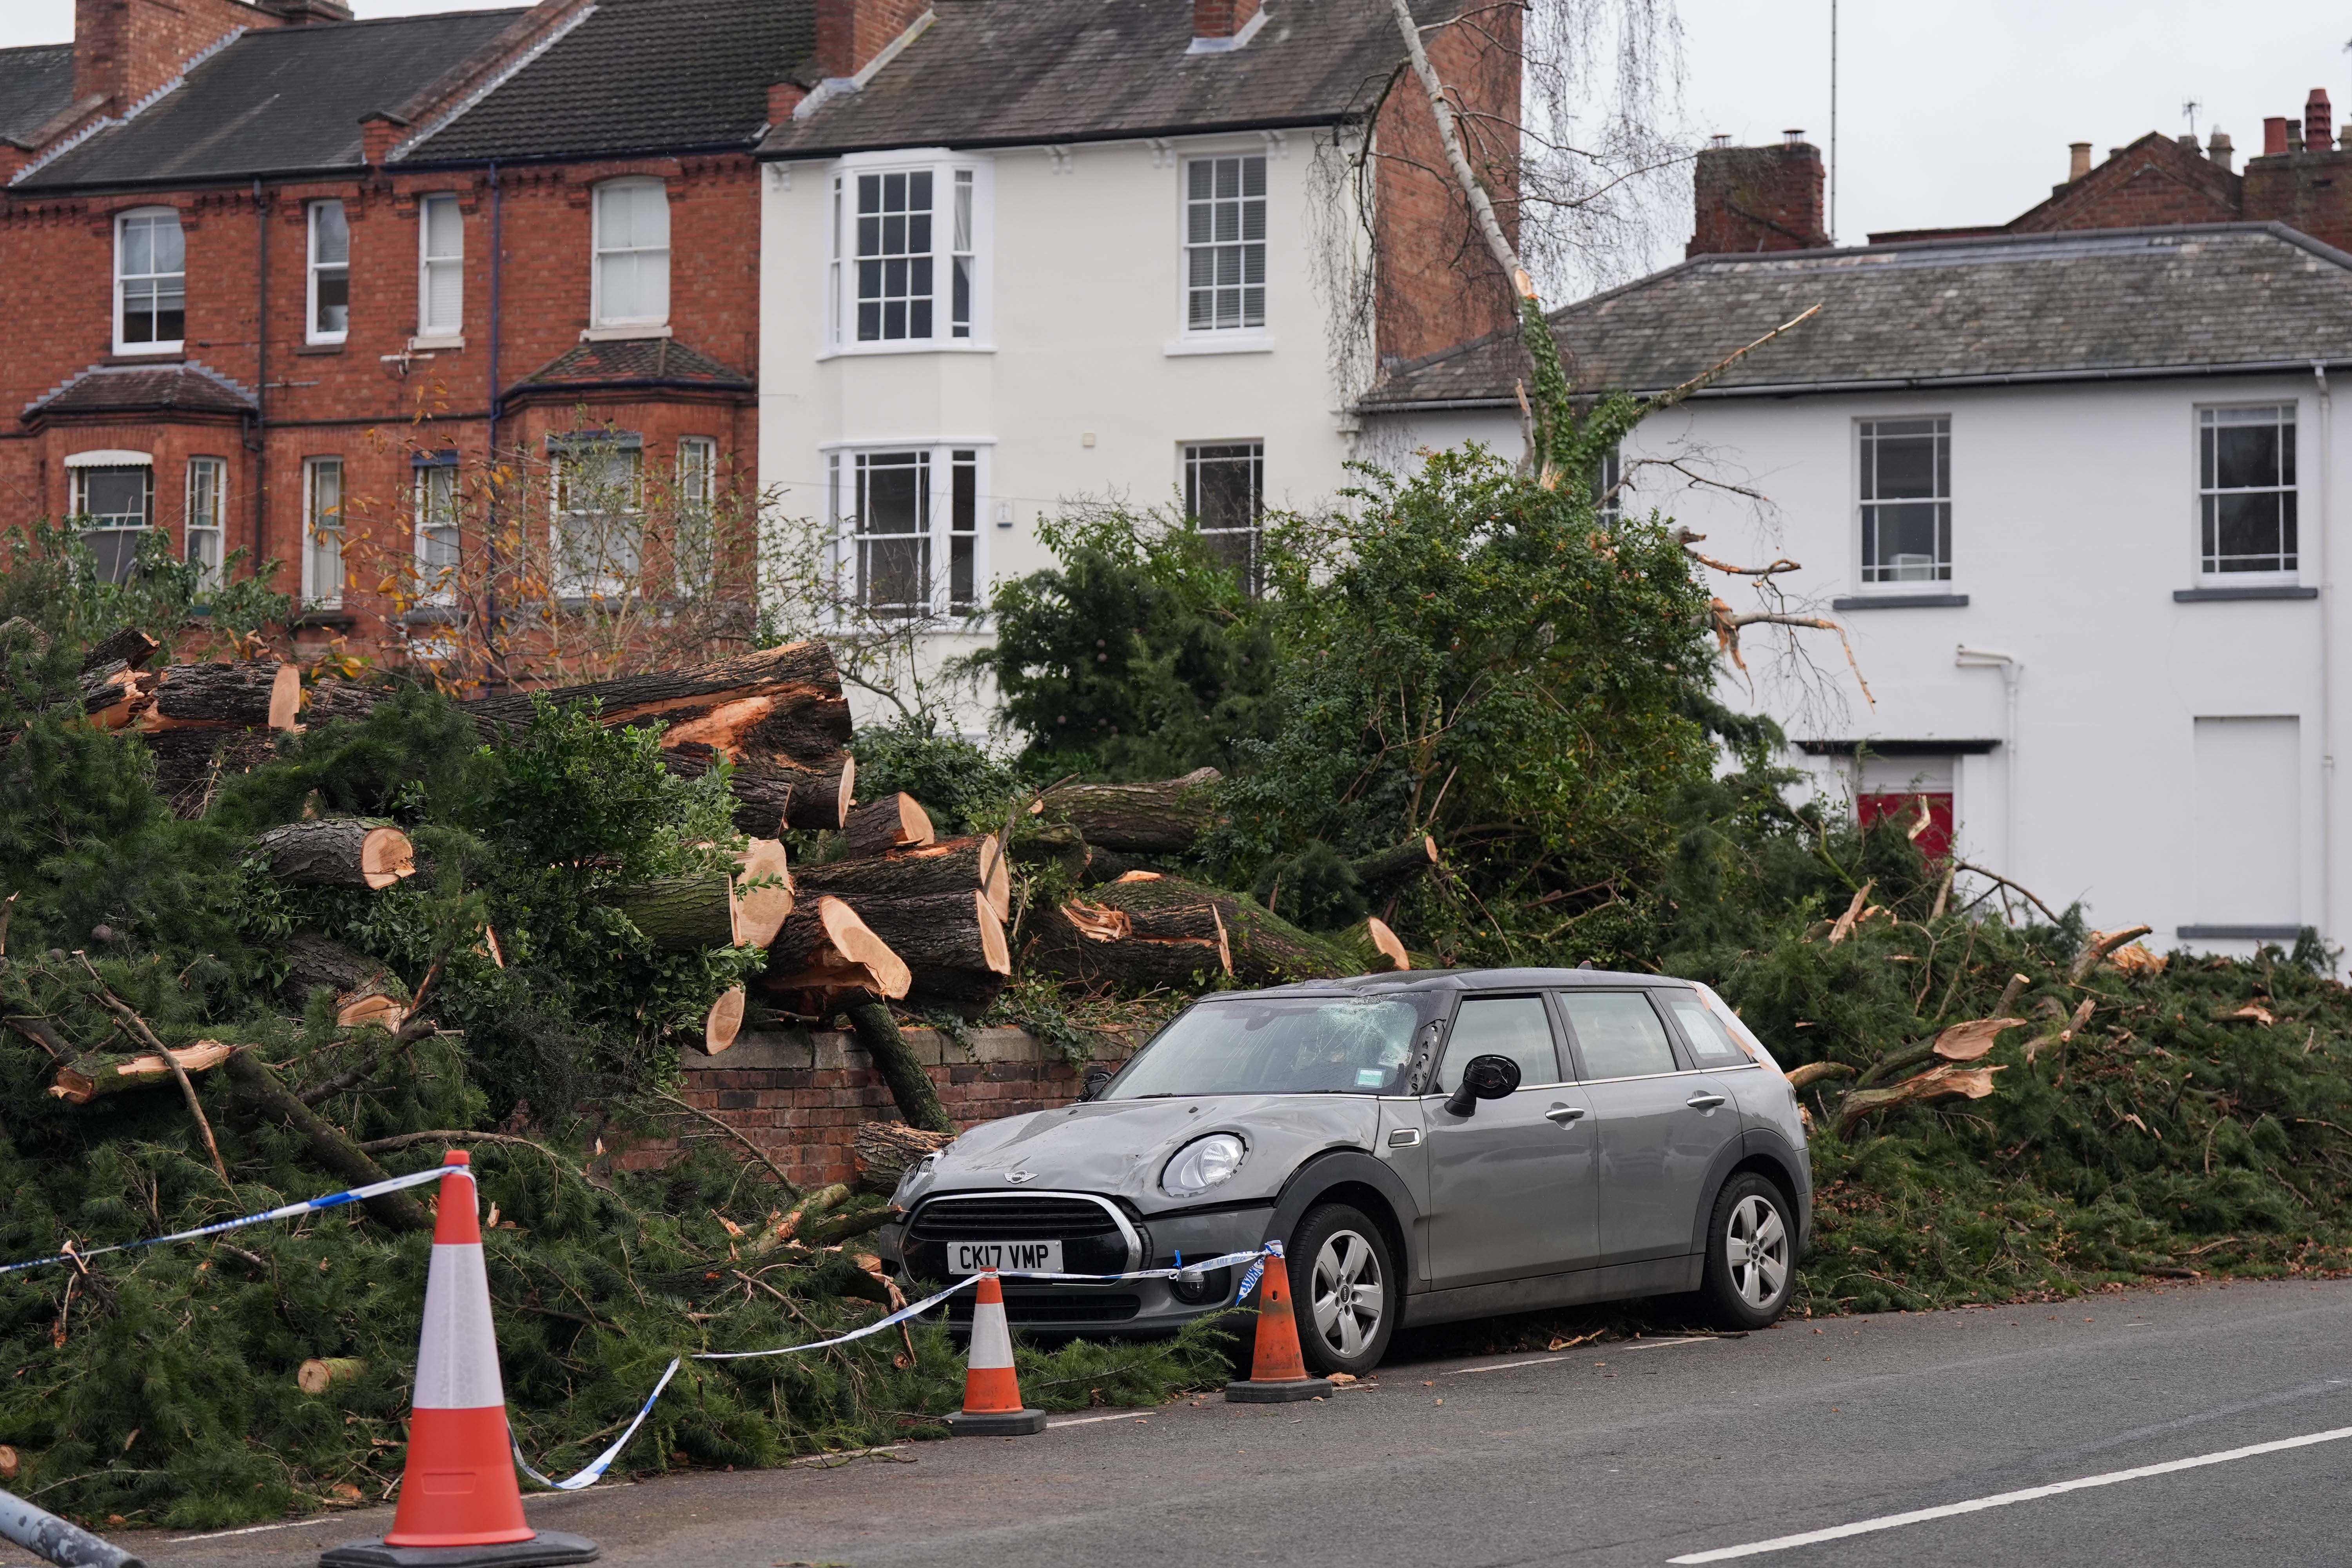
[285,1211]
[604,1461]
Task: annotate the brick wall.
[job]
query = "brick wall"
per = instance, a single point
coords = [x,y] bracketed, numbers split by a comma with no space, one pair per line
[2307,190]
[2154,181]
[130,47]
[803,1096]
[1749,199]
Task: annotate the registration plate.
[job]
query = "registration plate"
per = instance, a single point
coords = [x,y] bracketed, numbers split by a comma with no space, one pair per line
[987,1257]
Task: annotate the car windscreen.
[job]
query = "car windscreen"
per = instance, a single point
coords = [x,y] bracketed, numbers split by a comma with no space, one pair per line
[1276,1045]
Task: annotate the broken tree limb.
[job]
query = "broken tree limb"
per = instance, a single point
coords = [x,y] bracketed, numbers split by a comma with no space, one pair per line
[139,1030]
[893,822]
[1845,922]
[130,647]
[1111,937]
[339,852]
[1967,1042]
[265,1096]
[252,694]
[953,944]
[910,1087]
[1374,947]
[2024,891]
[834,1229]
[757,1152]
[1166,817]
[825,955]
[1953,1082]
[2097,950]
[883,1151]
[85,1078]
[1813,1072]
[805,718]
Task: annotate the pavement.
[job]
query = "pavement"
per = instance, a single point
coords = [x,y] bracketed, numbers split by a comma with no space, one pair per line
[1643,1451]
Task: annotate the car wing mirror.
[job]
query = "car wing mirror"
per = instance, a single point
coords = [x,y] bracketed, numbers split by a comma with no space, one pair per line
[1485,1077]
[1098,1079]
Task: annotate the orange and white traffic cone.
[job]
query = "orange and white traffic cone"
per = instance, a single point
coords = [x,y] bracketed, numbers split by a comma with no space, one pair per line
[991,1394]
[459,1505]
[1277,1371]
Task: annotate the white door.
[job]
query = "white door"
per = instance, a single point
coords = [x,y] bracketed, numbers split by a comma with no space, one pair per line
[2247,844]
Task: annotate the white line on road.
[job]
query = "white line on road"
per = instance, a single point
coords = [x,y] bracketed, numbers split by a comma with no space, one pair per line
[2002,1500]
[1114,1415]
[1661,1345]
[248,1530]
[1507,1365]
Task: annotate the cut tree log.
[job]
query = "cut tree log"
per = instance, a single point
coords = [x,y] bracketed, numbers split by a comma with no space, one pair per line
[1385,942]
[1382,875]
[918,1098]
[763,892]
[320,1373]
[1157,931]
[313,961]
[114,694]
[90,1077]
[883,1151]
[723,1022]
[953,866]
[339,852]
[130,647]
[824,954]
[805,718]
[1166,817]
[252,694]
[681,914]
[953,943]
[893,822]
[772,795]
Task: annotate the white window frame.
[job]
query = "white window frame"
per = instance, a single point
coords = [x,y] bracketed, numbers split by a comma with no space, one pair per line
[78,470]
[560,450]
[1242,331]
[599,317]
[1190,455]
[941,460]
[315,272]
[954,248]
[695,569]
[122,223]
[1944,571]
[2290,417]
[431,333]
[437,582]
[317,551]
[202,543]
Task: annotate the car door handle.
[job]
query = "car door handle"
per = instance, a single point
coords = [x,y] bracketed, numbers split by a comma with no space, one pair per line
[1564,1114]
[1703,1100]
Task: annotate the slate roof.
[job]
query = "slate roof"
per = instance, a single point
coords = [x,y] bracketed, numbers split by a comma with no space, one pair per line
[189,388]
[2079,305]
[633,361]
[636,75]
[277,102]
[1024,72]
[36,85]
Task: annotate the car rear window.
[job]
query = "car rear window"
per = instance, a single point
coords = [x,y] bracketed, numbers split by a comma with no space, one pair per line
[1710,1041]
[1618,1033]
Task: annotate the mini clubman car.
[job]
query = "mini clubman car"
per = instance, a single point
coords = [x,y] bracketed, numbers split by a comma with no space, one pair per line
[1427,1147]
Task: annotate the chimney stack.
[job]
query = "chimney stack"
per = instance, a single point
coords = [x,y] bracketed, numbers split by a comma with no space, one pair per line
[2318,127]
[1747,199]
[2273,136]
[2219,149]
[1219,24]
[851,33]
[2078,160]
[2294,136]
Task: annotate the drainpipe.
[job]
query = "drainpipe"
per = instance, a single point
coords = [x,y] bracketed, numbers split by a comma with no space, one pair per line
[491,664]
[261,376]
[1967,658]
[2326,661]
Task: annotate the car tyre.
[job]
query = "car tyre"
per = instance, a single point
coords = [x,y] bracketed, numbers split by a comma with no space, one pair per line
[1345,1289]
[1752,1255]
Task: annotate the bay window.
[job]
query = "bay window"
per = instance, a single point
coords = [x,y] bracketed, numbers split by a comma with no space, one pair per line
[113,507]
[151,282]
[205,520]
[600,525]
[906,521]
[907,251]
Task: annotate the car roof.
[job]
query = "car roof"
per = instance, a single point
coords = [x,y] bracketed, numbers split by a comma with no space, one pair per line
[1454,980]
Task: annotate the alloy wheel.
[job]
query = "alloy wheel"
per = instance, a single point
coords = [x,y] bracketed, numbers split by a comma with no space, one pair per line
[1347,1292]
[1756,1247]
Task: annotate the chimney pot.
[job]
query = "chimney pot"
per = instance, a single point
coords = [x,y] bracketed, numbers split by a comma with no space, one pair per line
[1792,137]
[2273,135]
[2318,121]
[1718,141]
[2078,160]
[2219,149]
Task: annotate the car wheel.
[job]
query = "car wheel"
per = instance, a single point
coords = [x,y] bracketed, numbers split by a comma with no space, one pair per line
[1751,1254]
[1344,1287]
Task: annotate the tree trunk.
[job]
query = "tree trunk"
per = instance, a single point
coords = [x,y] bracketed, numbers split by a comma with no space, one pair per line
[884,1150]
[1156,930]
[893,822]
[191,761]
[114,694]
[313,961]
[1376,948]
[1382,875]
[953,943]
[130,647]
[90,1077]
[331,699]
[1163,819]
[770,797]
[1054,844]
[760,910]
[955,866]
[256,694]
[807,719]
[723,1022]
[339,852]
[681,914]
[910,1085]
[331,1149]
[825,955]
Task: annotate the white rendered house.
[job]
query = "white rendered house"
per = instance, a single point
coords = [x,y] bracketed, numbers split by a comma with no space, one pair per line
[2072,495]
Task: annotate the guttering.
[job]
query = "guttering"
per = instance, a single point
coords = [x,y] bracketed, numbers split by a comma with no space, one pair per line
[740,392]
[2010,667]
[1140,134]
[2327,656]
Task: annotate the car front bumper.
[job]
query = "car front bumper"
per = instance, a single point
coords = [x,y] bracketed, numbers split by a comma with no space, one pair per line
[1127,1308]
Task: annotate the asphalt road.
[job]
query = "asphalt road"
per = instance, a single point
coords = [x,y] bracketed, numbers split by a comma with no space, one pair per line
[1638,1452]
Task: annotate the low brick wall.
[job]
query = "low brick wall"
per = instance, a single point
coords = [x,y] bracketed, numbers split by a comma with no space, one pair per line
[801,1095]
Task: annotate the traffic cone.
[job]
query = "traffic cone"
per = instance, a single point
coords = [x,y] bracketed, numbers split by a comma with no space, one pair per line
[1277,1372]
[991,1394]
[459,1505]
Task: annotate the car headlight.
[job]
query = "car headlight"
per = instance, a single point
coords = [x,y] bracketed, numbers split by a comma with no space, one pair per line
[1203,1164]
[911,1174]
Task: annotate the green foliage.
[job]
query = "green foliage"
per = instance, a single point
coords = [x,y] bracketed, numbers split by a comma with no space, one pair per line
[962,788]
[1316,888]
[1141,656]
[49,577]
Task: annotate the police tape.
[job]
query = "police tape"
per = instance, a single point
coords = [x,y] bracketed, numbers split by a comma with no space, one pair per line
[596,1468]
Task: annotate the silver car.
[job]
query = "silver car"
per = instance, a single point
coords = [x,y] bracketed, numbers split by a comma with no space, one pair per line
[1427,1146]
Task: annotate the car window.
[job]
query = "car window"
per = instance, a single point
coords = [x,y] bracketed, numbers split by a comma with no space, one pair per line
[1711,1043]
[1618,1033]
[1513,1026]
[1275,1045]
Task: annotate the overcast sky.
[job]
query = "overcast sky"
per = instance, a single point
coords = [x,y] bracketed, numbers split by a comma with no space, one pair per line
[1950,111]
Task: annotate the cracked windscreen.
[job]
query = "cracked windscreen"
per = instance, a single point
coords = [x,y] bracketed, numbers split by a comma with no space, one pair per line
[1288,1045]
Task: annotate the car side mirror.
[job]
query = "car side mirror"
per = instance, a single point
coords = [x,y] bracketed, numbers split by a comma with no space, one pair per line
[1098,1079]
[1485,1077]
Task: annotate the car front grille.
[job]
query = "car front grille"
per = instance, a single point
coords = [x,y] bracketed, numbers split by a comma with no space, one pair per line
[1040,1218]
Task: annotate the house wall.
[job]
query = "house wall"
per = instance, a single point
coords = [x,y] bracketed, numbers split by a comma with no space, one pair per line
[2074,524]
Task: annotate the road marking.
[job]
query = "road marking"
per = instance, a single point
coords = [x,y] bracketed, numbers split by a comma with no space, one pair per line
[1114,1415]
[1507,1365]
[248,1530]
[2002,1500]
[1661,1345]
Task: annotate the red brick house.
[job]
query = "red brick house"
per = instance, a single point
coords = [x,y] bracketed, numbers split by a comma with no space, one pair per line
[292,271]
